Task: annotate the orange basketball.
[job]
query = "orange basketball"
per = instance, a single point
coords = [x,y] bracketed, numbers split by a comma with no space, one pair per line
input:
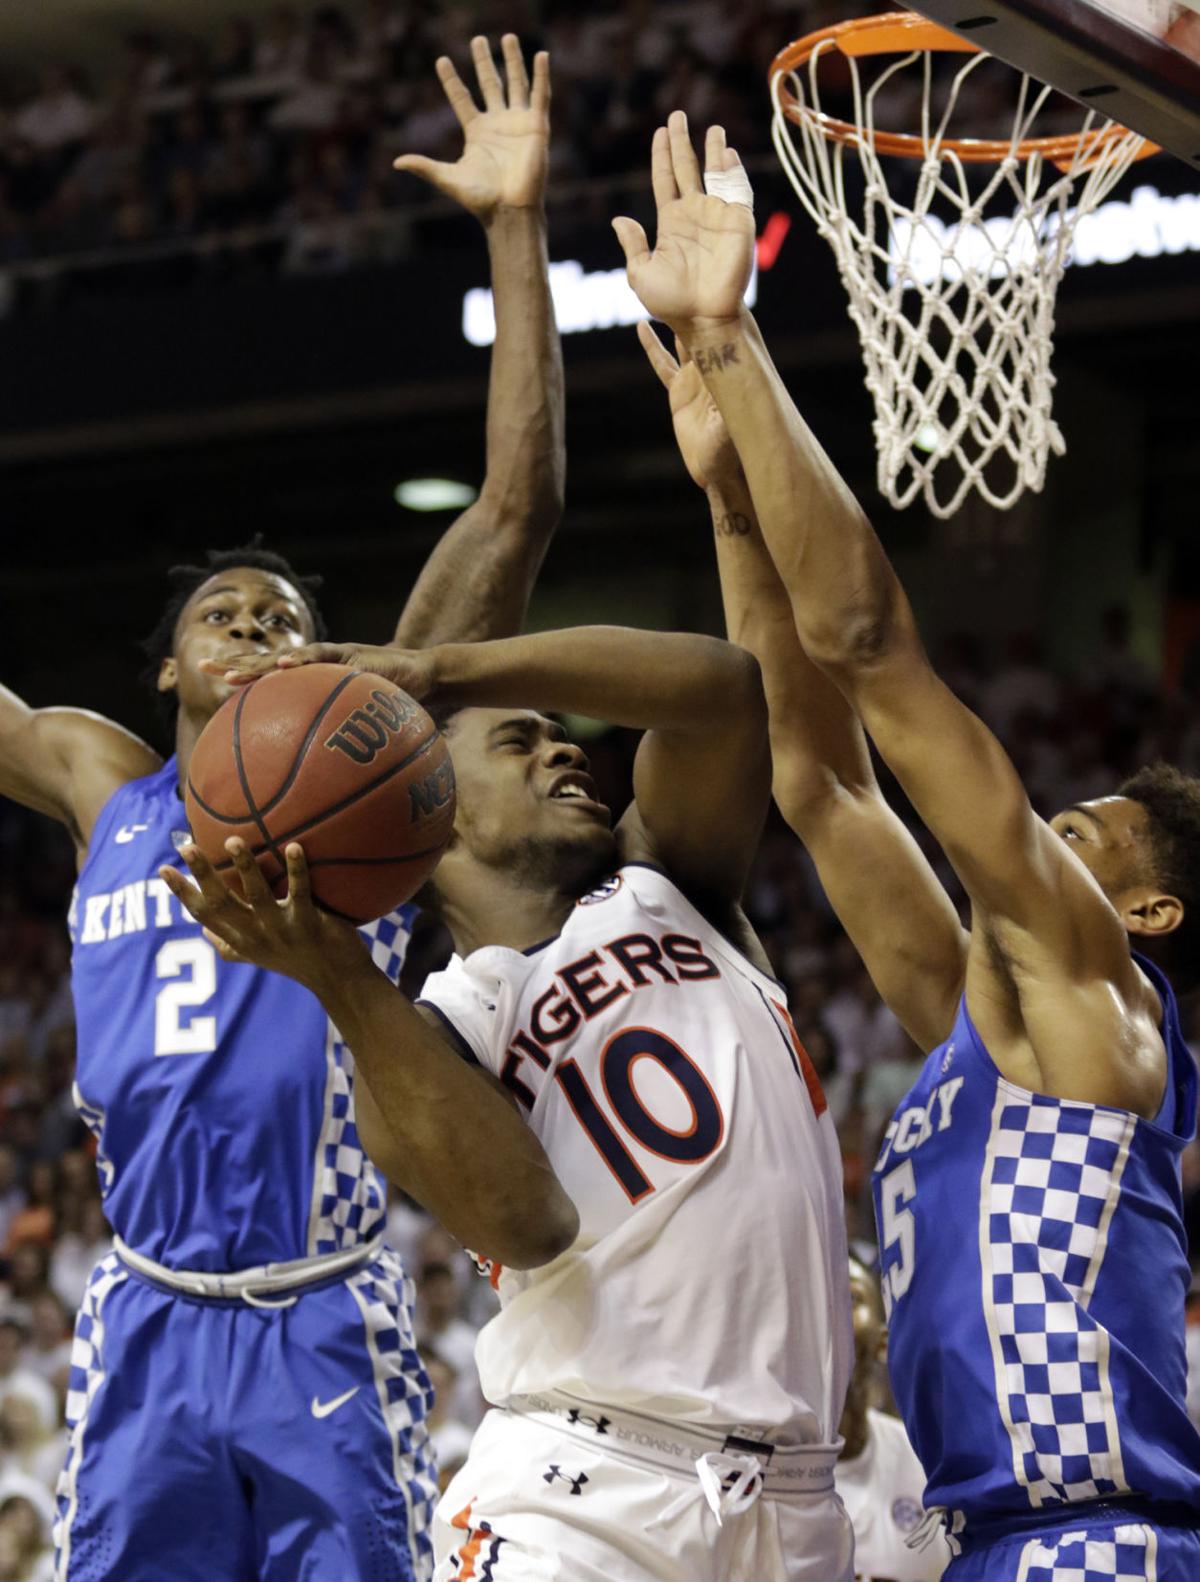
[339,760]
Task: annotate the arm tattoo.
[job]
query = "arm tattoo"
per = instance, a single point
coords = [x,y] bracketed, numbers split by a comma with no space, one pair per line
[731,524]
[715,358]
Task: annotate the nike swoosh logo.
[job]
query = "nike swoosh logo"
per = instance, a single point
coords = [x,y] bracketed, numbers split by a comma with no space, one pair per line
[323,1408]
[127,831]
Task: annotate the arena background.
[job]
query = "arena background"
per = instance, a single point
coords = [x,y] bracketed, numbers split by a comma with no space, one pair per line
[221,313]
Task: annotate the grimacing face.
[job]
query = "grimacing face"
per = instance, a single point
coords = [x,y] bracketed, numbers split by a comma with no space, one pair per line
[526,800]
[243,610]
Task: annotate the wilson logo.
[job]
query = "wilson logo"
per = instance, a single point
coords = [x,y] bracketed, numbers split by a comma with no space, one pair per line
[425,797]
[363,734]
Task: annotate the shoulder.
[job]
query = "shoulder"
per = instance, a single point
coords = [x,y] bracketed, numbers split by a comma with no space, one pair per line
[724,916]
[469,1001]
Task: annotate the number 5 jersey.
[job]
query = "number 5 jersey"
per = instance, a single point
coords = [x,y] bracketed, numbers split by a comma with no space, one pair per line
[662,1075]
[1034,1267]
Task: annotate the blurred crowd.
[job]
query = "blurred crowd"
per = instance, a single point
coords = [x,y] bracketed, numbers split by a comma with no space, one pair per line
[1072,736]
[268,144]
[283,128]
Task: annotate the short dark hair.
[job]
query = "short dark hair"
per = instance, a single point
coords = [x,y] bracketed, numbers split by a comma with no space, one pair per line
[1172,803]
[184,580]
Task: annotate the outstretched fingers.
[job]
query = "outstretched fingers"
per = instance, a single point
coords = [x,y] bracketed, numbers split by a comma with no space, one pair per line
[683,156]
[632,239]
[539,98]
[662,169]
[456,91]
[514,71]
[714,150]
[661,361]
[488,78]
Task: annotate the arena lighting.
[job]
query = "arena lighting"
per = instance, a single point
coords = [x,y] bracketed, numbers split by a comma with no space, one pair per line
[1150,224]
[434,494]
[599,300]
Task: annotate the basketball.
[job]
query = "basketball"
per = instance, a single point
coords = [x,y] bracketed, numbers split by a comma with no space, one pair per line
[339,760]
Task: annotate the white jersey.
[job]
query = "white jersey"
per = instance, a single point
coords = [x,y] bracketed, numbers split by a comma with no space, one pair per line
[881,1489]
[662,1075]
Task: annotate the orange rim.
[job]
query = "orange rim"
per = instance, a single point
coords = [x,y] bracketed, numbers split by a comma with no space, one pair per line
[899,33]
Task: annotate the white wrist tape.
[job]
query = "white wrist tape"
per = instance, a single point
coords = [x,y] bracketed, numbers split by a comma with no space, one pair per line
[732,186]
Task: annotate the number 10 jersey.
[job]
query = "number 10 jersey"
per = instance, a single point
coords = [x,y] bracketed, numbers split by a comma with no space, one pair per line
[220,1096]
[663,1077]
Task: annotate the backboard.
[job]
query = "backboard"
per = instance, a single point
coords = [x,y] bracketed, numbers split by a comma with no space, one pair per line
[1135,61]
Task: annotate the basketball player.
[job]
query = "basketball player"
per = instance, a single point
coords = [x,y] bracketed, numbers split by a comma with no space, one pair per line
[879,1478]
[246,1399]
[667,1393]
[1027,1192]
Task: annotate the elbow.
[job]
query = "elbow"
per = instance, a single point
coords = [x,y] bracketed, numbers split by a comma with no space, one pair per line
[542,1237]
[865,635]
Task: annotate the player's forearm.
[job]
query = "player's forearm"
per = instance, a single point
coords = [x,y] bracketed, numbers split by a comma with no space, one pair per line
[526,453]
[817,743]
[666,681]
[847,604]
[477,582]
[456,1144]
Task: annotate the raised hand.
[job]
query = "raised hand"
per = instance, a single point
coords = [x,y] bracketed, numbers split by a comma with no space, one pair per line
[292,936]
[704,251]
[412,669]
[700,431]
[503,162]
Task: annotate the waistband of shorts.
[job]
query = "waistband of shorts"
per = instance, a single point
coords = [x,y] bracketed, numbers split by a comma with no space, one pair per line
[675,1446]
[1077,1514]
[257,1287]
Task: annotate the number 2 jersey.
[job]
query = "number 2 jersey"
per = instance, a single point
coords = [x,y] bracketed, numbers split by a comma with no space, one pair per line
[220,1096]
[1035,1268]
[663,1077]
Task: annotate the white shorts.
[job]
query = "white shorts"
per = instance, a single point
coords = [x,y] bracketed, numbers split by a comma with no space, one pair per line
[540,1502]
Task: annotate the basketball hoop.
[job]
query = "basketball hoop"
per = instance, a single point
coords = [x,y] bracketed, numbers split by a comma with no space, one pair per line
[955,314]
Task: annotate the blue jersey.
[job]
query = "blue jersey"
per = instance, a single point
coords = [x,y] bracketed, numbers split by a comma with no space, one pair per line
[220,1096]
[1034,1269]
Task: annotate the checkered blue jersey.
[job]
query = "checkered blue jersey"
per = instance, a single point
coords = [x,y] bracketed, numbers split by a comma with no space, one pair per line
[1034,1269]
[221,1097]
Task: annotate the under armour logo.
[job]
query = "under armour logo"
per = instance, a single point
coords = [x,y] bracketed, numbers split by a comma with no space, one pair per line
[600,1424]
[557,1472]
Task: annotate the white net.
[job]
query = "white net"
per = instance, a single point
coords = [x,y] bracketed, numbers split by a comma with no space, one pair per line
[952,291]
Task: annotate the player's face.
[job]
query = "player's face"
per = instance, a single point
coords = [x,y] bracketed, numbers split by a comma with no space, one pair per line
[240,611]
[526,801]
[1108,835]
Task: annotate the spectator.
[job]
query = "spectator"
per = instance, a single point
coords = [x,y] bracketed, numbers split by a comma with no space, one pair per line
[59,117]
[18,1380]
[36,1444]
[234,54]
[34,1223]
[450,1435]
[12,1197]
[84,1239]
[314,102]
[25,1553]
[281,49]
[48,1353]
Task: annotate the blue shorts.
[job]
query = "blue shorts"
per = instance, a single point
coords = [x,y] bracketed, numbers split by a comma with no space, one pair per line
[211,1439]
[1125,1544]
